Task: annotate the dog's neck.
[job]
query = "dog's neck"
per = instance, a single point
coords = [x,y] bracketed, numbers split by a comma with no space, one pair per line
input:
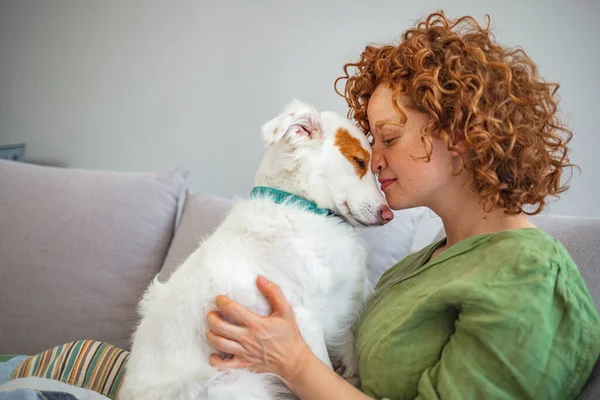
[285,182]
[282,171]
[283,197]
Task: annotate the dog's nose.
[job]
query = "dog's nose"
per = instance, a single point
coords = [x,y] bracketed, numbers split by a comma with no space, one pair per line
[386,214]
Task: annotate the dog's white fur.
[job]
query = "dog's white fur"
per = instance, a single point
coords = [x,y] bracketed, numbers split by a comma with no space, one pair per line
[319,262]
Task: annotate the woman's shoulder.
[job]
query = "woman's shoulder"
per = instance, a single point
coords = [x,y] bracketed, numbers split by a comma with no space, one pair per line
[527,282]
[528,260]
[505,256]
[525,249]
[533,239]
[490,257]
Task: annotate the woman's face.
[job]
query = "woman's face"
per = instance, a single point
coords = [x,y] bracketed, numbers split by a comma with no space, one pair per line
[406,181]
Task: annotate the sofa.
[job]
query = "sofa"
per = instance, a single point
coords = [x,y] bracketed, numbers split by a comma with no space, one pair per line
[78,247]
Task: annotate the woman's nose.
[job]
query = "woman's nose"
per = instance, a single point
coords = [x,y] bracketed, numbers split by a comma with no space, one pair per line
[377,162]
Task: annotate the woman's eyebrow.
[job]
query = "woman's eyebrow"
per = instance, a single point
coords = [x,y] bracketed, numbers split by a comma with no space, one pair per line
[388,124]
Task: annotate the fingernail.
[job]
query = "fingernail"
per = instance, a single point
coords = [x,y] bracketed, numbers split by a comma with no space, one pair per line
[221,301]
[263,280]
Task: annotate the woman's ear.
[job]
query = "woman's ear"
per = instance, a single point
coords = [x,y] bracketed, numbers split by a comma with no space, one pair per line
[457,150]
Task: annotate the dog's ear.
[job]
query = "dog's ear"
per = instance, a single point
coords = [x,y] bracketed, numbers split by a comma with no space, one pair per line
[298,122]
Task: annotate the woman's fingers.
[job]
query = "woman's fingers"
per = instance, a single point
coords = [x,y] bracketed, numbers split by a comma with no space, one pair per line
[241,316]
[223,328]
[233,311]
[224,345]
[275,296]
[262,344]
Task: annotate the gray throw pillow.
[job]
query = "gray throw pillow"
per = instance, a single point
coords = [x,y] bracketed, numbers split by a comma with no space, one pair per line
[77,249]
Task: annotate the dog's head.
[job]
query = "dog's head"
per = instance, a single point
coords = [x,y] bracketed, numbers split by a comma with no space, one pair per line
[325,158]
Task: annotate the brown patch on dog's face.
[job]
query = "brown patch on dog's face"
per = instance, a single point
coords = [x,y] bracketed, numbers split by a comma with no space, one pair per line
[351,148]
[275,131]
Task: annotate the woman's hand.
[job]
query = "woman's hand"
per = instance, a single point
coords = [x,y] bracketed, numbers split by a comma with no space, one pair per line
[273,344]
[262,344]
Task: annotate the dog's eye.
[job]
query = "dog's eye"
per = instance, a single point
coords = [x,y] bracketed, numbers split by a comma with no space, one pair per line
[359,162]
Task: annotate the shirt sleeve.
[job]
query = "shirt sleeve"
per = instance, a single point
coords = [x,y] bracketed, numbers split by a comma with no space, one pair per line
[530,333]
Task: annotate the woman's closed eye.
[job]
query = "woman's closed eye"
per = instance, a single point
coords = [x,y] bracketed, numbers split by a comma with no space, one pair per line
[388,140]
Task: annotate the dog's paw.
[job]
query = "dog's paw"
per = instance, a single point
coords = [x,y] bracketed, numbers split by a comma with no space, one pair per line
[347,370]
[352,377]
[338,367]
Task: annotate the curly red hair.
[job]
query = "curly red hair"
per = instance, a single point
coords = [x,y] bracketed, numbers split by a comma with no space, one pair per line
[487,98]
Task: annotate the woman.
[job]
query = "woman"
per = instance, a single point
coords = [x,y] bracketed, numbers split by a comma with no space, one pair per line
[497,309]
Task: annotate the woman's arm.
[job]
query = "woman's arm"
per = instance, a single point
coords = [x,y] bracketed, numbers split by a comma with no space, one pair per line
[273,344]
[315,381]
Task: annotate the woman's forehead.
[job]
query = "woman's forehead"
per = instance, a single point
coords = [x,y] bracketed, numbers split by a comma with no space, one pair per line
[381,107]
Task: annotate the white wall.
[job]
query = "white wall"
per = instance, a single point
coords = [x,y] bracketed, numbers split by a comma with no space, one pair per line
[147,85]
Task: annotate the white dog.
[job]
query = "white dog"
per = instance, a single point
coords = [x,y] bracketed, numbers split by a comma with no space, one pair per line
[306,243]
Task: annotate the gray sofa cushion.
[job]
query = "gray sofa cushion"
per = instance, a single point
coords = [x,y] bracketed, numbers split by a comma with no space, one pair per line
[591,391]
[77,249]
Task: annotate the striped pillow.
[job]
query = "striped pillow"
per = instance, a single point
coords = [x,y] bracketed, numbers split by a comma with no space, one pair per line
[88,364]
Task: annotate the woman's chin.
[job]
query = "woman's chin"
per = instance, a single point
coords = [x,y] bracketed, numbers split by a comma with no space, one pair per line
[399,202]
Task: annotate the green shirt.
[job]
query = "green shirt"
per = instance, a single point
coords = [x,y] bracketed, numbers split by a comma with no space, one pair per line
[496,316]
